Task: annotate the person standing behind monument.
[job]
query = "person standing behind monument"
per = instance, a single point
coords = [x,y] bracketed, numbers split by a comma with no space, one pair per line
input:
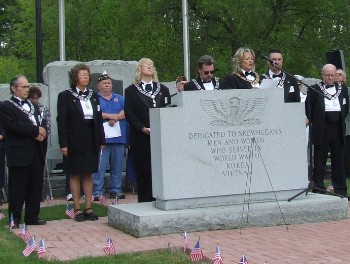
[326,110]
[145,93]
[81,137]
[341,78]
[25,131]
[34,96]
[2,163]
[244,75]
[289,84]
[205,80]
[112,107]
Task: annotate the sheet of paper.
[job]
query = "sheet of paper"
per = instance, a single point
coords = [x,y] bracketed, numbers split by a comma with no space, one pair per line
[112,131]
[269,83]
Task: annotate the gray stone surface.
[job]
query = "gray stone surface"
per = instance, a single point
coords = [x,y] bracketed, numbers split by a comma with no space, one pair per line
[215,146]
[56,78]
[144,219]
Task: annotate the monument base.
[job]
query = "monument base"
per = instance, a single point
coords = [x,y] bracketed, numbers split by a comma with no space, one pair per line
[144,219]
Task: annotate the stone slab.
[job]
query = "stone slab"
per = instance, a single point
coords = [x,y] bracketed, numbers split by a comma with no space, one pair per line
[215,146]
[144,219]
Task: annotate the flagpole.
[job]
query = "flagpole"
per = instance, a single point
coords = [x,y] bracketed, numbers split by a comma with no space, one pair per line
[61,18]
[186,46]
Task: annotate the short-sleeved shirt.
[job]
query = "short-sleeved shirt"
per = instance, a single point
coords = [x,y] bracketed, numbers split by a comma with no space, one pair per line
[113,106]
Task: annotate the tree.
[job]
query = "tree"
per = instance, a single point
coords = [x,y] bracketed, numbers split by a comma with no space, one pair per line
[130,30]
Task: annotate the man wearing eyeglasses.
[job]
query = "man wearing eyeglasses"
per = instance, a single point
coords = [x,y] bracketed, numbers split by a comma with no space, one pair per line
[25,131]
[205,76]
[327,105]
[290,85]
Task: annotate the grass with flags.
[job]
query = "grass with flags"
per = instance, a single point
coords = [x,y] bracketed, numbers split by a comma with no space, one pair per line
[12,246]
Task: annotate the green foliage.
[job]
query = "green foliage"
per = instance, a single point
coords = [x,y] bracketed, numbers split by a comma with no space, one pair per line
[9,67]
[130,30]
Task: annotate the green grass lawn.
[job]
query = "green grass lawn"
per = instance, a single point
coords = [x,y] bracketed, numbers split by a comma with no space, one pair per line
[11,246]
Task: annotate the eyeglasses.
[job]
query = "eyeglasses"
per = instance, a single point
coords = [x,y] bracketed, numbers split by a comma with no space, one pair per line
[207,72]
[84,74]
[329,75]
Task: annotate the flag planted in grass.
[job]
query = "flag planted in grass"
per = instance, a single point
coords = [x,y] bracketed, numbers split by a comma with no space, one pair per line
[70,211]
[102,199]
[196,253]
[24,234]
[217,258]
[41,249]
[2,216]
[12,222]
[243,260]
[30,247]
[185,241]
[109,247]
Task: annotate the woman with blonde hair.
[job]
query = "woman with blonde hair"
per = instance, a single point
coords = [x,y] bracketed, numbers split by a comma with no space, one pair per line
[244,75]
[145,93]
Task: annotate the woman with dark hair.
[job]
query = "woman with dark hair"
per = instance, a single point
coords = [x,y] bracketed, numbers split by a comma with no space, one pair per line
[34,96]
[81,137]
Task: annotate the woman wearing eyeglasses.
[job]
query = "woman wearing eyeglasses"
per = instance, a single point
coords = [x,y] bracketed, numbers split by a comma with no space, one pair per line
[244,75]
[81,137]
[205,80]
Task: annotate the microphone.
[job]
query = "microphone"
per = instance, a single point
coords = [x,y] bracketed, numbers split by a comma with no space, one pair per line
[268,59]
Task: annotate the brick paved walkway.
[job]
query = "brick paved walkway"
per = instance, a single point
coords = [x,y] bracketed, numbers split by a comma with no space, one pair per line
[303,244]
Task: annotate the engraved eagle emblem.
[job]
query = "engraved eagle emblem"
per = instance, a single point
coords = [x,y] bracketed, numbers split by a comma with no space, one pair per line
[234,111]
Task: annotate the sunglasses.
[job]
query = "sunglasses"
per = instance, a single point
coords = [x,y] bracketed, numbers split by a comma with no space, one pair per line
[207,72]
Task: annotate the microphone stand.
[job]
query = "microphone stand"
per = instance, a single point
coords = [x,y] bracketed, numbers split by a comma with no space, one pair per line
[311,186]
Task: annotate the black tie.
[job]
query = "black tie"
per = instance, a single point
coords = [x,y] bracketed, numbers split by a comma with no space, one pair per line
[249,73]
[148,88]
[23,102]
[86,93]
[209,81]
[277,75]
[329,86]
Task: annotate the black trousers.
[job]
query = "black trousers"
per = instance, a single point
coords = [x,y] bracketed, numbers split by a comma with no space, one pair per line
[347,156]
[334,141]
[142,161]
[25,187]
[2,168]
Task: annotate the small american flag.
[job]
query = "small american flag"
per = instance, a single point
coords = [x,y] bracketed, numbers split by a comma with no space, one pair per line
[24,234]
[185,241]
[243,260]
[12,222]
[70,211]
[102,199]
[217,258]
[2,216]
[196,253]
[30,247]
[109,247]
[41,249]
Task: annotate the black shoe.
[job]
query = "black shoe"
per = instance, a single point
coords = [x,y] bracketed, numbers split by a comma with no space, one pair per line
[80,217]
[36,222]
[90,216]
[117,195]
[121,196]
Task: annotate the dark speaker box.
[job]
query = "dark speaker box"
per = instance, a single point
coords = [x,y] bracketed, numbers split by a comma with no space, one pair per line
[336,57]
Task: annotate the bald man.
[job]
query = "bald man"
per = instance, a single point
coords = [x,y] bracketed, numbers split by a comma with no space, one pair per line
[326,110]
